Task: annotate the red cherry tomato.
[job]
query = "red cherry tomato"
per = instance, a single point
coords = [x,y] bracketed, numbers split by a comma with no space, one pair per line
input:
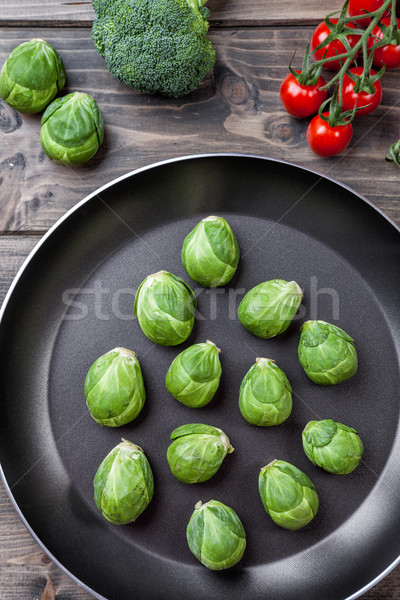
[358,7]
[349,98]
[334,48]
[388,55]
[302,100]
[325,140]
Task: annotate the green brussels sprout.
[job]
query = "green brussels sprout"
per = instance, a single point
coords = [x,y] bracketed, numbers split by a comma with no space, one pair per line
[210,252]
[265,396]
[333,446]
[326,353]
[123,484]
[193,377]
[215,535]
[72,129]
[197,452]
[165,308]
[114,388]
[288,495]
[268,308]
[31,76]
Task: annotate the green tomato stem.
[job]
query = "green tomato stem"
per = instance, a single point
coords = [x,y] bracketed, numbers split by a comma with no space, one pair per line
[336,117]
[393,18]
[350,54]
[394,154]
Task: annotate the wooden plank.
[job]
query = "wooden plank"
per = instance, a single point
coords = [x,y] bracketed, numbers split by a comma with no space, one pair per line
[235,12]
[13,252]
[236,108]
[25,570]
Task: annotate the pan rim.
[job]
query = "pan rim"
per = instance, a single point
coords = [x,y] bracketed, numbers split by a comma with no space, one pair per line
[97,193]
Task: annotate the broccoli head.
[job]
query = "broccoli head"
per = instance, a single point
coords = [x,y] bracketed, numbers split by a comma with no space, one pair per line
[155,46]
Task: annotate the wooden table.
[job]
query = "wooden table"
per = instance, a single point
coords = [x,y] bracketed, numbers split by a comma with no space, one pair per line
[235,109]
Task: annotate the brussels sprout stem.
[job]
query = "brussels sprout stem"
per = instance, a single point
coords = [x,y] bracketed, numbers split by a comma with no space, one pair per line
[269,464]
[298,287]
[126,444]
[124,351]
[266,360]
[198,505]
[211,218]
[162,272]
[226,442]
[150,279]
[212,343]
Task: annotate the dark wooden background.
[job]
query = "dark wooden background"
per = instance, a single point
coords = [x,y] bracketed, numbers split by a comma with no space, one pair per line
[235,109]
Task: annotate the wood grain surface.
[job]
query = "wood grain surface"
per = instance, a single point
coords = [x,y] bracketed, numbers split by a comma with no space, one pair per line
[223,12]
[235,109]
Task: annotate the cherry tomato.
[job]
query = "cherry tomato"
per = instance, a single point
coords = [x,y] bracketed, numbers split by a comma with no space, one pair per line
[325,140]
[334,48]
[302,100]
[363,98]
[388,55]
[358,7]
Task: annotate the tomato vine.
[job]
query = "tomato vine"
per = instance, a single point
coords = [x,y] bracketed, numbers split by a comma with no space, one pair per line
[349,41]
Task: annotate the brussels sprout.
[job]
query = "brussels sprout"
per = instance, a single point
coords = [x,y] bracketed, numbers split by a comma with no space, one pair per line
[197,452]
[288,495]
[265,396]
[193,377]
[165,307]
[114,388]
[210,252]
[123,484]
[326,353]
[215,535]
[72,129]
[268,308]
[31,76]
[332,446]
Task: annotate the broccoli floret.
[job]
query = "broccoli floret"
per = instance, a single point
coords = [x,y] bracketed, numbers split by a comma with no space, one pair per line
[155,46]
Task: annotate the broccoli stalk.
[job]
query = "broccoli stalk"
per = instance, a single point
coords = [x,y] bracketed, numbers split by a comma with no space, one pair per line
[199,5]
[155,46]
[196,4]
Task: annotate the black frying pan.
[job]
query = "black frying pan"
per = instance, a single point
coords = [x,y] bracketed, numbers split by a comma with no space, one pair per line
[72,301]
